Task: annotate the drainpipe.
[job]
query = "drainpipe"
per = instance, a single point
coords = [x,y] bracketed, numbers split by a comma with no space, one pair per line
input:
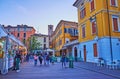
[111,53]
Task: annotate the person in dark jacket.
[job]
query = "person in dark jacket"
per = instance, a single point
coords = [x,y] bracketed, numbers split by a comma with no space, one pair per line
[63,60]
[17,61]
[40,59]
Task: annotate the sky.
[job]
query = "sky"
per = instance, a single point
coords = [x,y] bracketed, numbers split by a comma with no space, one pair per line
[37,13]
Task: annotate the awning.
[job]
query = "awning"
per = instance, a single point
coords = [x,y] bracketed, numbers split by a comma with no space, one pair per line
[49,50]
[3,33]
[16,40]
[71,43]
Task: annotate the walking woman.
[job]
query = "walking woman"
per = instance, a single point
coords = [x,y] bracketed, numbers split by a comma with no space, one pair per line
[35,59]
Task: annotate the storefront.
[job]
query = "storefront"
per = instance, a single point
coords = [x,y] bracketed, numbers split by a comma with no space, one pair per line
[3,52]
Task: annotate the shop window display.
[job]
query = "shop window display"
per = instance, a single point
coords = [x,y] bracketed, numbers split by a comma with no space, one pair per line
[1,50]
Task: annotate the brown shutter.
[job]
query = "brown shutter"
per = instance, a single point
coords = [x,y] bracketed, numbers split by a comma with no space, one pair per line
[115,24]
[95,50]
[83,32]
[92,5]
[84,11]
[93,27]
[113,2]
[81,14]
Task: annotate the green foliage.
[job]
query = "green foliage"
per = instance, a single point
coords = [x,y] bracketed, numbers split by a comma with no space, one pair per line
[34,44]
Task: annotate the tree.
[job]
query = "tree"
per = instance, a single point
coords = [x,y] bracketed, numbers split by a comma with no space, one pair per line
[34,44]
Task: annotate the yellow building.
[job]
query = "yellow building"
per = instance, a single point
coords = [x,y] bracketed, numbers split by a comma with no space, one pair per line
[65,32]
[99,29]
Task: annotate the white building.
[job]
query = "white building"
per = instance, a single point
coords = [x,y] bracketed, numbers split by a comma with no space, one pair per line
[43,40]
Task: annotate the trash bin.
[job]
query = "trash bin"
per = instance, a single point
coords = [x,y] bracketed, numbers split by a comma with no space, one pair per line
[71,62]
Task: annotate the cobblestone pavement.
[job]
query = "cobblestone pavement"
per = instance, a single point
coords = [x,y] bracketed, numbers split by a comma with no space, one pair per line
[29,71]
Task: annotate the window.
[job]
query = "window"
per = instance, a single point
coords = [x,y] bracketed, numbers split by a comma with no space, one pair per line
[18,29]
[44,39]
[18,35]
[115,21]
[65,30]
[70,31]
[24,34]
[60,42]
[92,5]
[94,27]
[25,29]
[76,32]
[113,2]
[95,50]
[82,13]
[83,31]
[24,41]
[44,46]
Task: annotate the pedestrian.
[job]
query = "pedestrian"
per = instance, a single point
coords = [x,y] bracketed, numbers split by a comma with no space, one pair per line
[17,62]
[47,59]
[44,58]
[52,59]
[40,59]
[63,60]
[31,58]
[27,57]
[35,59]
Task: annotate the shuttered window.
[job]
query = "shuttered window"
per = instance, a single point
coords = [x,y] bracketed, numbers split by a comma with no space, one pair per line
[92,5]
[113,2]
[95,50]
[83,31]
[93,27]
[115,21]
[83,13]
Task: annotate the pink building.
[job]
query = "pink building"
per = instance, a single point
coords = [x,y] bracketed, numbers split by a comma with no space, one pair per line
[22,32]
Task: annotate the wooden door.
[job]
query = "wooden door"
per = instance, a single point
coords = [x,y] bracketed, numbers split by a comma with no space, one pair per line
[84,49]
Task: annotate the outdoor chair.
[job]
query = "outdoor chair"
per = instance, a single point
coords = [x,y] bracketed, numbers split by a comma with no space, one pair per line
[109,65]
[113,65]
[97,62]
[100,62]
[116,64]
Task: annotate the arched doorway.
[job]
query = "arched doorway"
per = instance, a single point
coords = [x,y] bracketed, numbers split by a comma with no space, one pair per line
[75,53]
[60,52]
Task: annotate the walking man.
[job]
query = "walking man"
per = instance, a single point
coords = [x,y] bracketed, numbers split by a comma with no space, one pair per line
[40,59]
[63,60]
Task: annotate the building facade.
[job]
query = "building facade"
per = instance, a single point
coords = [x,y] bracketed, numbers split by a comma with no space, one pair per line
[99,29]
[50,31]
[22,32]
[65,32]
[43,40]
